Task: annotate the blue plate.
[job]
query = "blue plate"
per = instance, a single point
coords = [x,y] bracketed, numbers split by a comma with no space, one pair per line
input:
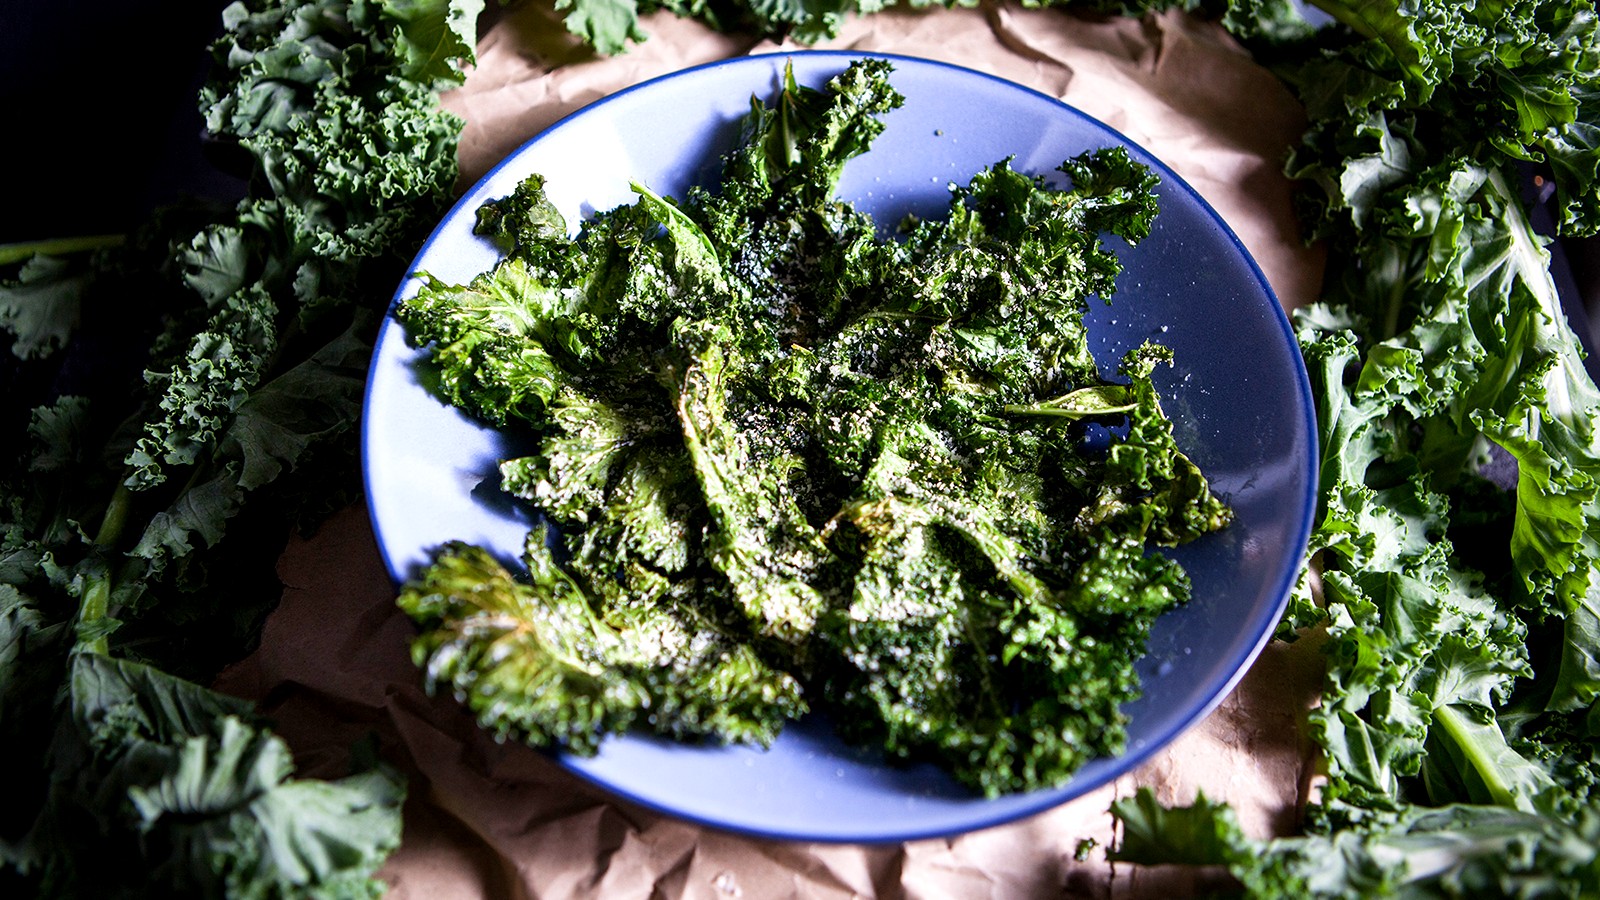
[1238,396]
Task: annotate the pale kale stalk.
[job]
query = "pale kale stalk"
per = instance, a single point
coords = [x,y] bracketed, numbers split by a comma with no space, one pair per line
[797,465]
[139,538]
[1460,611]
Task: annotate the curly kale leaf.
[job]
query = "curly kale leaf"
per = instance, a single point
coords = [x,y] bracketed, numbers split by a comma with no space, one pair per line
[335,105]
[434,37]
[1150,488]
[1458,602]
[1491,83]
[956,644]
[142,518]
[1479,354]
[222,365]
[1447,851]
[481,335]
[40,307]
[1442,342]
[200,780]
[760,539]
[274,430]
[607,25]
[832,454]
[33,664]
[799,145]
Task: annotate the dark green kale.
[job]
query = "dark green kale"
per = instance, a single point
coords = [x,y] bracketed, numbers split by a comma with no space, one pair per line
[183,398]
[795,464]
[204,794]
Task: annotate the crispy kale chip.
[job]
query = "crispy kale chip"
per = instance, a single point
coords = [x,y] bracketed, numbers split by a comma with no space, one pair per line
[537,660]
[783,451]
[1447,851]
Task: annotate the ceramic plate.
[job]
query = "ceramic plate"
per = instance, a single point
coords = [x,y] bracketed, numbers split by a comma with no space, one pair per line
[1239,400]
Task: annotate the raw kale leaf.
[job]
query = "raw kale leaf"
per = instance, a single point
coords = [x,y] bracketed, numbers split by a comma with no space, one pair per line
[186,397]
[206,788]
[607,25]
[1459,605]
[1443,337]
[852,468]
[1446,851]
[434,37]
[41,306]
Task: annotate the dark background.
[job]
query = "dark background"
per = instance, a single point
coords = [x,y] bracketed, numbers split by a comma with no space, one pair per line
[100,100]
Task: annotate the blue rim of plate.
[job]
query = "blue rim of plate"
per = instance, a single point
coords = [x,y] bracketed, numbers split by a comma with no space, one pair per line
[968,813]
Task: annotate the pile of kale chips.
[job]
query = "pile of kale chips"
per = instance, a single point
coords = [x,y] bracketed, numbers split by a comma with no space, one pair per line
[791,462]
[145,496]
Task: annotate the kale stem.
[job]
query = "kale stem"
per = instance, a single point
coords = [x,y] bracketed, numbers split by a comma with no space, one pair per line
[97,596]
[1455,725]
[116,517]
[1391,318]
[96,606]
[14,253]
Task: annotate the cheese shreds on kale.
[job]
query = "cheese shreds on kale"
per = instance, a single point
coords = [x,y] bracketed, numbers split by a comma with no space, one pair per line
[791,459]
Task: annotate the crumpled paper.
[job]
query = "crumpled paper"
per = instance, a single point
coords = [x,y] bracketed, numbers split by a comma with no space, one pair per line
[500,821]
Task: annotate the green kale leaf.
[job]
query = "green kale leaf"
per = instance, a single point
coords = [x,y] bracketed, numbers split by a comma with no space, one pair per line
[208,787]
[187,396]
[41,306]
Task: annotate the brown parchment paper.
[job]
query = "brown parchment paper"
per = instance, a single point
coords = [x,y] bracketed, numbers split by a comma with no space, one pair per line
[498,821]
